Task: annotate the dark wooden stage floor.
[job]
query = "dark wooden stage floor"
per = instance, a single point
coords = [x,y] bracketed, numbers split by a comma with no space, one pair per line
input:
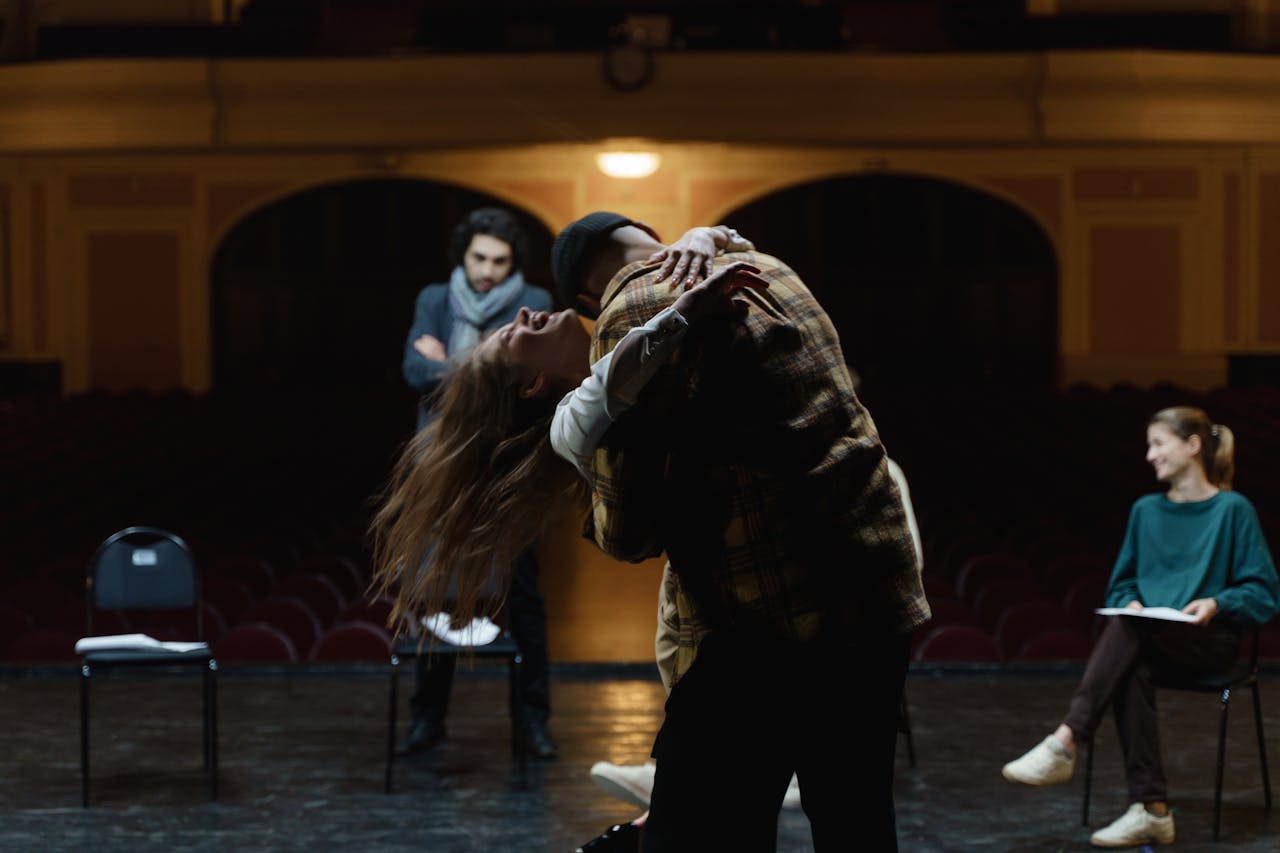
[302,766]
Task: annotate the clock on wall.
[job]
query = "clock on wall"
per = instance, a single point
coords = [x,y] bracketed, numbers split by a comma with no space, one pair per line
[628,67]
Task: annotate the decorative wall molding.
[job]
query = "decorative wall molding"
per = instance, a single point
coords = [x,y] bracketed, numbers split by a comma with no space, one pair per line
[424,102]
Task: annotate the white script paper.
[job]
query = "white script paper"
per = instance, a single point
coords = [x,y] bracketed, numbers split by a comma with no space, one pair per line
[1166,613]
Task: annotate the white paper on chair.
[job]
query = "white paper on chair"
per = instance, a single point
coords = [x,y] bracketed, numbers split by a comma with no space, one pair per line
[133,643]
[480,632]
[1166,613]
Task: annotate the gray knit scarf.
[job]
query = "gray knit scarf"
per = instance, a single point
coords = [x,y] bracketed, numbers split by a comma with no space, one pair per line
[475,313]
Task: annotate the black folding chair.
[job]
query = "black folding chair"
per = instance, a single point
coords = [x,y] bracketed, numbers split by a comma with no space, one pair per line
[407,648]
[1243,674]
[145,568]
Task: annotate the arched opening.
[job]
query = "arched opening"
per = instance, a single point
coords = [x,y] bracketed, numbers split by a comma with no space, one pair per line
[946,302]
[317,290]
[312,301]
[931,284]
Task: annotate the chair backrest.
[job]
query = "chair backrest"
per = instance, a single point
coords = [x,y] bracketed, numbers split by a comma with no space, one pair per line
[321,595]
[374,609]
[958,643]
[943,611]
[43,645]
[1059,574]
[1057,644]
[255,642]
[1086,595]
[232,597]
[998,595]
[179,624]
[340,570]
[38,597]
[143,568]
[255,573]
[13,624]
[354,641]
[937,587]
[293,617]
[1021,622]
[981,569]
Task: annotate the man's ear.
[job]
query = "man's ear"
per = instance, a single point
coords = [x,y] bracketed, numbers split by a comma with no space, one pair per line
[535,387]
[591,303]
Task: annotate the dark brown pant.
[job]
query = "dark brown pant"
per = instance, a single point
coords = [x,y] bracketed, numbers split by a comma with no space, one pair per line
[1129,654]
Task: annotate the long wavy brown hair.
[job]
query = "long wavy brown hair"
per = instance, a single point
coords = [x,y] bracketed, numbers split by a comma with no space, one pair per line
[469,492]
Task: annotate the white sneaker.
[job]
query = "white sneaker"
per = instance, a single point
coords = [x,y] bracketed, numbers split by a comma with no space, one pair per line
[1134,827]
[631,783]
[480,632]
[1046,763]
[792,798]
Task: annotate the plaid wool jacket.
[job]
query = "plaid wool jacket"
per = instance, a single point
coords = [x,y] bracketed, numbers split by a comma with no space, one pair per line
[751,463]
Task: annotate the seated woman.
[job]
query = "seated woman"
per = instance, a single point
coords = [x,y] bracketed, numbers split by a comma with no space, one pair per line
[1197,548]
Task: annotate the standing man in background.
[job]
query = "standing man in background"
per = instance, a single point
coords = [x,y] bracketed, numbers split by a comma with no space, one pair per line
[484,291]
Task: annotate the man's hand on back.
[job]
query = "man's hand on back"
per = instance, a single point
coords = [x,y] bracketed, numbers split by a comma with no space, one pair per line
[715,295]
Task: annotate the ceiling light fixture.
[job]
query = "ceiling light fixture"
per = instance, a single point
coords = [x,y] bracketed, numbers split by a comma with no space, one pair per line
[628,164]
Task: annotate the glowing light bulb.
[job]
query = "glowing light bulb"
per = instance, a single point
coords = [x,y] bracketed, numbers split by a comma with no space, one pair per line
[628,164]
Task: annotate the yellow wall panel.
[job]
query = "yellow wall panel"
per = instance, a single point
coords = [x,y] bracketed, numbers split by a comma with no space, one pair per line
[1134,293]
[133,281]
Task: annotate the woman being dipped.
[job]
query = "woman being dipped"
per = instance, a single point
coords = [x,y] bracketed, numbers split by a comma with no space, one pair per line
[475,486]
[1197,548]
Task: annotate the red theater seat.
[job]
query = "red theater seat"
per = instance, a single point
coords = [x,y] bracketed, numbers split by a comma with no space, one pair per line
[293,618]
[354,641]
[1057,644]
[958,643]
[982,569]
[999,595]
[255,642]
[43,647]
[254,572]
[232,597]
[1023,621]
[375,610]
[338,569]
[13,624]
[320,594]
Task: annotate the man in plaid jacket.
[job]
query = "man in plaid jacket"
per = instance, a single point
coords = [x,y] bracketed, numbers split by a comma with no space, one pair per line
[751,463]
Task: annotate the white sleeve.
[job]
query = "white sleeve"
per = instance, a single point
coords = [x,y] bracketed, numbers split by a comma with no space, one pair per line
[584,414]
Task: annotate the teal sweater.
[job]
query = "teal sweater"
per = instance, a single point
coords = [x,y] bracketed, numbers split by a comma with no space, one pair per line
[1174,553]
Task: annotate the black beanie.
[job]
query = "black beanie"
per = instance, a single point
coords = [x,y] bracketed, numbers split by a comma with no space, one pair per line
[572,247]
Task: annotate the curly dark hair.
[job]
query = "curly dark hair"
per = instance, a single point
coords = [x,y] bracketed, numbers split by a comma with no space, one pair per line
[495,222]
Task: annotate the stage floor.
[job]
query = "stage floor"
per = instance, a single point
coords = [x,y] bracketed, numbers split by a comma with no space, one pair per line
[302,766]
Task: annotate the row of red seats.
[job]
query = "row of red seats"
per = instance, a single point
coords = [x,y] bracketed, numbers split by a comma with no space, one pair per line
[319,592]
[249,642]
[958,642]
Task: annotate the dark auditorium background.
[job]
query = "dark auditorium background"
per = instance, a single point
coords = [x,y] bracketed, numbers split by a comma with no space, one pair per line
[1033,223]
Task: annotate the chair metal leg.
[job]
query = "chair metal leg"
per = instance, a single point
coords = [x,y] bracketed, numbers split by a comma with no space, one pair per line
[211,673]
[204,722]
[1222,750]
[1088,781]
[392,691]
[521,754]
[905,718]
[1262,745]
[84,735]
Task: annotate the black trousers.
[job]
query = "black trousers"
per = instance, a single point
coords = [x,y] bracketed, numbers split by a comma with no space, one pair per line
[526,616]
[1129,653]
[746,716]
